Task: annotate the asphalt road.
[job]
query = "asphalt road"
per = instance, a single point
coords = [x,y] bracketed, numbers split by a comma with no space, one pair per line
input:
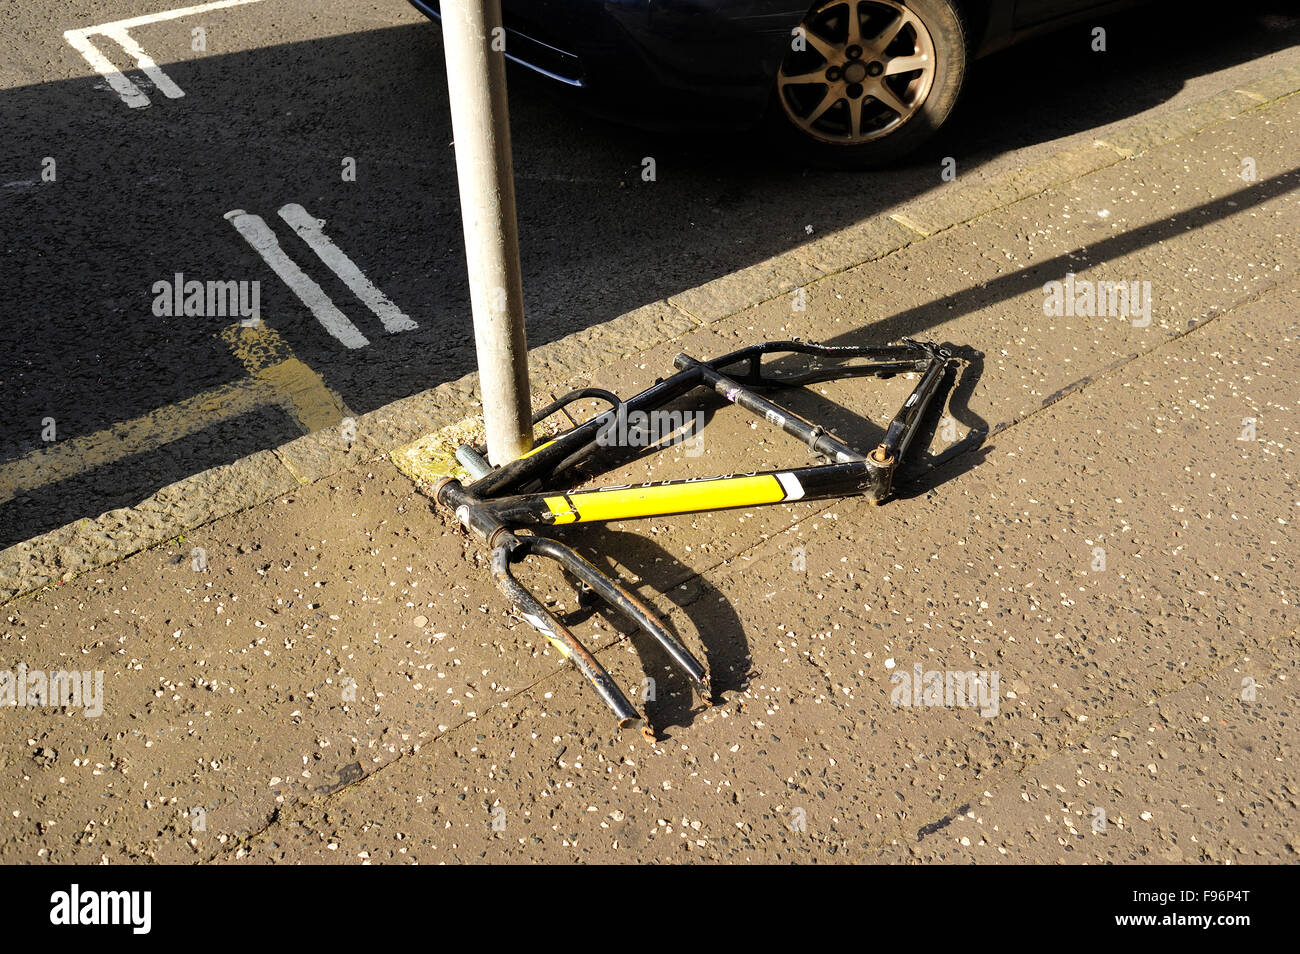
[100,201]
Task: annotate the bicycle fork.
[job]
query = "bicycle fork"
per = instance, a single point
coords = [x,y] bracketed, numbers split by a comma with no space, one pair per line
[512,549]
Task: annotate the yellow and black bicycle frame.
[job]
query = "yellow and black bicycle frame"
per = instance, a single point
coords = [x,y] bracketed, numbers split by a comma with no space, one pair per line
[506,499]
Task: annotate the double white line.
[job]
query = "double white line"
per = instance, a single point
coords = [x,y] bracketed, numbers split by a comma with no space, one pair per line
[259,235]
[116,31]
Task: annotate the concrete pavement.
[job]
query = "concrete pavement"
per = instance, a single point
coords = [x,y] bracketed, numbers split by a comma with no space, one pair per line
[340,681]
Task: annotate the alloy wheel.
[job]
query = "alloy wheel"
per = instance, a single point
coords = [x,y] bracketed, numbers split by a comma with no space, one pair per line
[859,69]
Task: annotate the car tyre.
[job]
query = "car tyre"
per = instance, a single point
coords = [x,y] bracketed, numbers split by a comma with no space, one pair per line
[863,98]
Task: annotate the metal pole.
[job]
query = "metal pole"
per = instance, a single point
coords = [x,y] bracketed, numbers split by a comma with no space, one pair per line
[480,121]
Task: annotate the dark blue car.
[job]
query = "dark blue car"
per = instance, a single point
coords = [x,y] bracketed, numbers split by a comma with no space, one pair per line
[855,82]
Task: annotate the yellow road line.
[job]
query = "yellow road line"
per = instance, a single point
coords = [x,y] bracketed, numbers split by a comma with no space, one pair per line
[77,455]
[268,358]
[275,378]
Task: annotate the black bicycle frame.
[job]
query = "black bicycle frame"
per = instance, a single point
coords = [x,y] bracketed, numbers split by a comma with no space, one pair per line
[510,497]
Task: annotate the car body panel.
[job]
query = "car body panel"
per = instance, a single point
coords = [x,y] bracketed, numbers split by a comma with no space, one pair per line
[706,62]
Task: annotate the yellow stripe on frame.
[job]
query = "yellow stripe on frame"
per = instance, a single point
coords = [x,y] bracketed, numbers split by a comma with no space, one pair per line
[598,505]
[539,447]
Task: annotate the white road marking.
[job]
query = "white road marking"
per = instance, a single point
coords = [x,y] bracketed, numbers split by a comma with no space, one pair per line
[130,93]
[309,229]
[259,235]
[170,14]
[145,62]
